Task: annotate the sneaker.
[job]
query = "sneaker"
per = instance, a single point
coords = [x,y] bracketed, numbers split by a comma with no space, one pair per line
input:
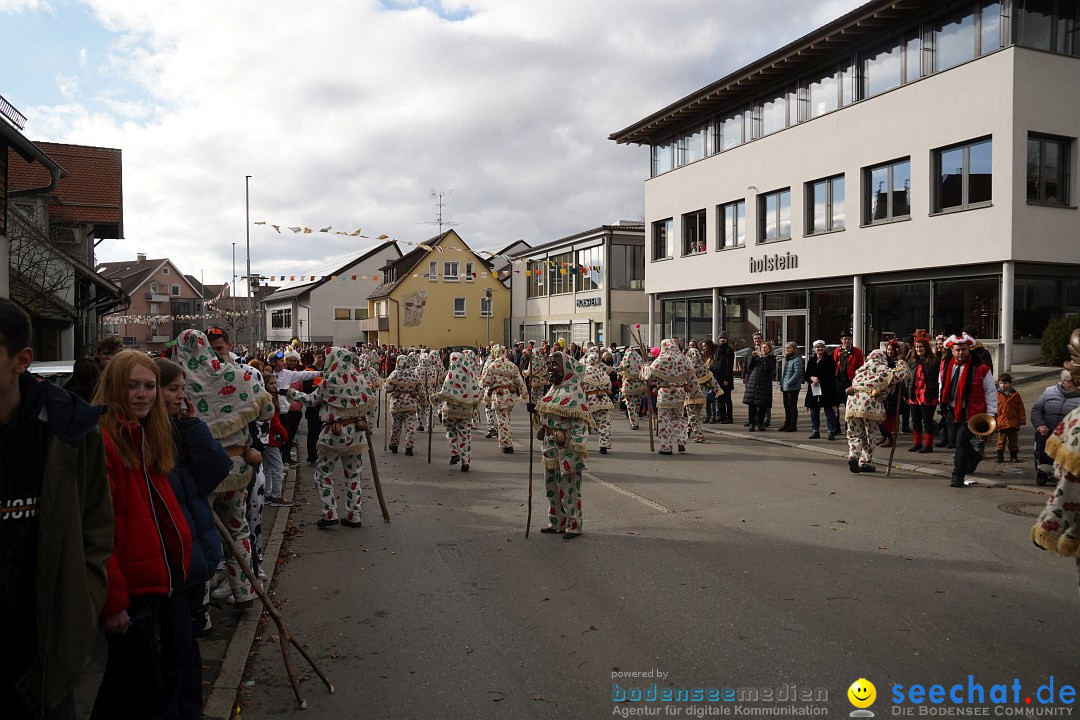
[464,467]
[853,465]
[455,459]
[280,502]
[324,523]
[682,448]
[262,575]
[207,625]
[408,451]
[815,435]
[221,591]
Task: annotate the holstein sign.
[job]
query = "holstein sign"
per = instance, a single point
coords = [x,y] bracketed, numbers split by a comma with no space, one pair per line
[776,261]
[588,302]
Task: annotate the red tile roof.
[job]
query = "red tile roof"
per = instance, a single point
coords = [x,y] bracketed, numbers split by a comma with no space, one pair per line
[93,190]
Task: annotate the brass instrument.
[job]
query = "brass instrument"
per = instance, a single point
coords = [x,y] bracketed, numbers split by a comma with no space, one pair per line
[982,424]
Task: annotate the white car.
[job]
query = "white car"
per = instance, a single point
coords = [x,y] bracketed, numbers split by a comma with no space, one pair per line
[55,371]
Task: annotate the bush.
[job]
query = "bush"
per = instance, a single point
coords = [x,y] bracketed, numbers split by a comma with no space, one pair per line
[1055,339]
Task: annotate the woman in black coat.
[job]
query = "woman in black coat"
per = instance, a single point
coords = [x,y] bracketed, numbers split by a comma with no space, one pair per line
[821,392]
[760,374]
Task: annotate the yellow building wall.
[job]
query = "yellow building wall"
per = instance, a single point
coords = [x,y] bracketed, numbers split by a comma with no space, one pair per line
[437,327]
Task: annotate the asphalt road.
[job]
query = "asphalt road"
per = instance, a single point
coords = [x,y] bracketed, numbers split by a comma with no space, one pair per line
[741,564]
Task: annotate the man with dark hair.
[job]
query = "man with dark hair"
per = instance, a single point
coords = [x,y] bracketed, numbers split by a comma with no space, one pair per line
[967,389]
[106,348]
[56,531]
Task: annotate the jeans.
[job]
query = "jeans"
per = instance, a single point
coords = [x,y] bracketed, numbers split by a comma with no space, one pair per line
[832,423]
[275,471]
[791,408]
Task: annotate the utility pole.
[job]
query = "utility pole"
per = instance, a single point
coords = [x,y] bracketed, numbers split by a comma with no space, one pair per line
[438,221]
[247,230]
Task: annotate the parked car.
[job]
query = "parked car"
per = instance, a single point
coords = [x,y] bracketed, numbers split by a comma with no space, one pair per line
[55,371]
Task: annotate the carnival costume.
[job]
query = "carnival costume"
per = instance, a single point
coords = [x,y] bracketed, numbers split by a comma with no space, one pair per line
[536,374]
[598,391]
[671,372]
[564,419]
[227,398]
[702,382]
[865,407]
[503,387]
[404,386]
[344,400]
[633,387]
[460,397]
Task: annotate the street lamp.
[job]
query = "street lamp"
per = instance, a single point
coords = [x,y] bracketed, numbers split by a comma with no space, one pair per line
[487,296]
[247,230]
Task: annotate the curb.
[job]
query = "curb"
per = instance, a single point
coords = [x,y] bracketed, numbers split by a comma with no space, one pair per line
[909,467]
[221,701]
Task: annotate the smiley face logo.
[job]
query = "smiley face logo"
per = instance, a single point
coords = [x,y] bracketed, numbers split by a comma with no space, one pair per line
[862,693]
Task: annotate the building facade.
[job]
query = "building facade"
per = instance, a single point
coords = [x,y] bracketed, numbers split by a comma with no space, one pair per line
[909,165]
[331,309]
[439,295]
[163,302]
[588,286]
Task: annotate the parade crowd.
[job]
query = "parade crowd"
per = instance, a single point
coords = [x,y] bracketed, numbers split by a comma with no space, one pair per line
[132,498]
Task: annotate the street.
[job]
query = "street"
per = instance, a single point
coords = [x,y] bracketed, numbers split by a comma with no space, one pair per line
[742,564]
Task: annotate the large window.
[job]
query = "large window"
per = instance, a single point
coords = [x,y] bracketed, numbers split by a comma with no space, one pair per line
[591,268]
[281,319]
[821,95]
[627,267]
[686,318]
[693,233]
[730,131]
[537,272]
[662,240]
[561,274]
[663,157]
[1048,164]
[1049,25]
[1039,300]
[772,114]
[692,146]
[967,302]
[887,192]
[774,210]
[954,40]
[825,205]
[890,66]
[963,176]
[731,222]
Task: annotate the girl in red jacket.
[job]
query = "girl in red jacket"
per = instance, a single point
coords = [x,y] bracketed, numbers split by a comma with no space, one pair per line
[152,539]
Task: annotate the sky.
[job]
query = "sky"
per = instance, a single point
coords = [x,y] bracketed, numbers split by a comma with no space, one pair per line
[349,113]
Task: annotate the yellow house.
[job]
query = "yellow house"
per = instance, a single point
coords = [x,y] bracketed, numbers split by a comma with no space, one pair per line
[440,294]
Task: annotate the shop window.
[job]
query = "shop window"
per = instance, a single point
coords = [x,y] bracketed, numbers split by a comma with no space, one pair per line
[887,192]
[958,303]
[774,209]
[1048,164]
[963,176]
[693,233]
[742,318]
[662,240]
[1037,301]
[895,310]
[825,205]
[731,222]
[831,312]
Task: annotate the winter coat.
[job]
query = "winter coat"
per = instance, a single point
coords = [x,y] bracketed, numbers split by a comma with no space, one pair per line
[924,382]
[760,373]
[75,540]
[1053,405]
[723,366]
[792,378]
[201,464]
[1010,412]
[825,371]
[138,565]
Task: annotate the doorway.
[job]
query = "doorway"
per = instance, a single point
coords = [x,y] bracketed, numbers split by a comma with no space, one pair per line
[782,327]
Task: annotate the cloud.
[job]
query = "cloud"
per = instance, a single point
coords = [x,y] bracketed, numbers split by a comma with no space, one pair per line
[347,113]
[16,6]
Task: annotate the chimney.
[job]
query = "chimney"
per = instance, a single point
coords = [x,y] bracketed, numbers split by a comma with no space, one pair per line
[141,257]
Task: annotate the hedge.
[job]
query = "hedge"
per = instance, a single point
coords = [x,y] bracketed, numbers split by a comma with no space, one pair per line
[1055,339]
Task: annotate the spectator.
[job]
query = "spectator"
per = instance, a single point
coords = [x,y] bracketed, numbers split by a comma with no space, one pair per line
[790,384]
[1010,418]
[760,374]
[106,348]
[1049,410]
[821,394]
[84,378]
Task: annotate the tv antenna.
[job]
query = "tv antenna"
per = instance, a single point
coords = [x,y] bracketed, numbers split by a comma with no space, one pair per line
[438,194]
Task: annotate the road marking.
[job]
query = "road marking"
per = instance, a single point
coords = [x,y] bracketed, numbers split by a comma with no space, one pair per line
[628,493]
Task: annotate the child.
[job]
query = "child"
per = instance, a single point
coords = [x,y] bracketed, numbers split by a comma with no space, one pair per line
[1010,418]
[274,436]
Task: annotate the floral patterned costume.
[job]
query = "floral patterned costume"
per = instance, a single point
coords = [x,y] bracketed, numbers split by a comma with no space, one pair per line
[671,372]
[343,397]
[536,374]
[633,387]
[564,419]
[598,392]
[460,396]
[865,408]
[227,398]
[403,385]
[503,387]
[702,381]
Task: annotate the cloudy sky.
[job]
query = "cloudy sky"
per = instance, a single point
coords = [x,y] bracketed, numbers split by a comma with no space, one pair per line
[347,113]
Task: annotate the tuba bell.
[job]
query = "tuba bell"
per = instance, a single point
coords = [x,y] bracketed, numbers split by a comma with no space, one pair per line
[982,424]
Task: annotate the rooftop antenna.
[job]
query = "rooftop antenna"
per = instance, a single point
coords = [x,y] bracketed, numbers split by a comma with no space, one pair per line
[438,194]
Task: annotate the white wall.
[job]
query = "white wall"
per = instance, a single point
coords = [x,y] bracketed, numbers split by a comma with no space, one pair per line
[345,293]
[963,103]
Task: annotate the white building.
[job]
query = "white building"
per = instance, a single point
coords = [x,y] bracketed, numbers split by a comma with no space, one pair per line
[329,304]
[909,165]
[588,286]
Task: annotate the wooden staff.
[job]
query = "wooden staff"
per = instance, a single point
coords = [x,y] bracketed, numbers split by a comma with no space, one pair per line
[386,420]
[532,435]
[375,477]
[648,393]
[430,419]
[896,424]
[286,638]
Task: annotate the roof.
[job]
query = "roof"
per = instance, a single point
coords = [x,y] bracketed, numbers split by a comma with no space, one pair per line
[206,291]
[91,190]
[23,148]
[132,274]
[403,266]
[763,74]
[335,266]
[622,227]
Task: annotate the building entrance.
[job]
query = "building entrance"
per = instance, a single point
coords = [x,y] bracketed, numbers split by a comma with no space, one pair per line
[782,327]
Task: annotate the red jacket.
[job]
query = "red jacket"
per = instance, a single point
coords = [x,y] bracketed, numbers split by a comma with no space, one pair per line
[854,362]
[278,435]
[147,544]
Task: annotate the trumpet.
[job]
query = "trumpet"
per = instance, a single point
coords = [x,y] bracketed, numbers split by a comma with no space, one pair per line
[982,424]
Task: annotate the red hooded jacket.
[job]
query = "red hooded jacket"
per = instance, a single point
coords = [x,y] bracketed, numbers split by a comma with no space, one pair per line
[152,538]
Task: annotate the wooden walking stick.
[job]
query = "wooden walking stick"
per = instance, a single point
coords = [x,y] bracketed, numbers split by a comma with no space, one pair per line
[648,393]
[532,435]
[286,638]
[386,421]
[896,424]
[430,420]
[375,477]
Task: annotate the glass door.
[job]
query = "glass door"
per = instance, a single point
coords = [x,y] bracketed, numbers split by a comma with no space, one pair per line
[782,327]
